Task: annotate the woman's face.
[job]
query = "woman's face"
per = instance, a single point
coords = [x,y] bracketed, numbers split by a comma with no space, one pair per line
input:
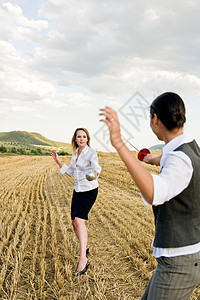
[81,138]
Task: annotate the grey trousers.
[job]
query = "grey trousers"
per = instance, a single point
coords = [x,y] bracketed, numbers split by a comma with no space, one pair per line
[175,278]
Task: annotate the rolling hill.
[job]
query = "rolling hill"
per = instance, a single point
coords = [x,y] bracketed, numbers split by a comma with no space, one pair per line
[29,138]
[36,139]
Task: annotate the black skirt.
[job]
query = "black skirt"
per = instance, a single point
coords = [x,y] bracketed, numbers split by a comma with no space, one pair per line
[82,203]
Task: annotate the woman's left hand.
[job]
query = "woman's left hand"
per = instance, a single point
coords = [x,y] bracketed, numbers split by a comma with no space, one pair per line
[96,174]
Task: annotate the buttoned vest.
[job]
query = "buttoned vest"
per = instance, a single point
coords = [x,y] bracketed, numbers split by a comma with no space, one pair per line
[177,222]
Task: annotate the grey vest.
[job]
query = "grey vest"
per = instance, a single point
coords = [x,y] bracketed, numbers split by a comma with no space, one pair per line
[177,222]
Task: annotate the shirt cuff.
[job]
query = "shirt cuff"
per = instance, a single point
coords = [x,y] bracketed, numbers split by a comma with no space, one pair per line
[145,201]
[64,169]
[97,168]
[160,190]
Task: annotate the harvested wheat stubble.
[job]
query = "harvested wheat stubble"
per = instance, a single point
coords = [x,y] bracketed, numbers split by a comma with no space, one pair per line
[37,243]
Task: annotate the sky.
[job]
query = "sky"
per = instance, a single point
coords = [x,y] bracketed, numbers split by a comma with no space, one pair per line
[63,60]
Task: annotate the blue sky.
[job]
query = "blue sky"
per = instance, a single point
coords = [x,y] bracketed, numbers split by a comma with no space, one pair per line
[62,60]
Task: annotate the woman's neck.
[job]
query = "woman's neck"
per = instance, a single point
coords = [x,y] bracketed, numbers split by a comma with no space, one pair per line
[80,148]
[171,134]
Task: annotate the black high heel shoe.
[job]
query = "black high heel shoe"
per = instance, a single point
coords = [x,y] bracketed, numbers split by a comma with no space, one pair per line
[83,271]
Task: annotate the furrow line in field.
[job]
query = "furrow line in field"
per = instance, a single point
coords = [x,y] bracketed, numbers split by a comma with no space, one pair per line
[62,201]
[126,218]
[9,214]
[18,272]
[128,200]
[127,215]
[36,233]
[51,234]
[44,260]
[10,254]
[58,203]
[57,250]
[52,250]
[15,171]
[6,216]
[34,265]
[17,239]
[135,240]
[23,252]
[11,160]
[8,229]
[44,237]
[111,271]
[16,187]
[7,178]
[118,262]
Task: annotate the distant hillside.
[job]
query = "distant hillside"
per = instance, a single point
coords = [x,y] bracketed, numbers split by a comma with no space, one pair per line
[29,138]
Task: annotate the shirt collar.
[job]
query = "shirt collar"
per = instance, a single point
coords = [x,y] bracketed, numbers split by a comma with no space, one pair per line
[173,144]
[176,142]
[84,150]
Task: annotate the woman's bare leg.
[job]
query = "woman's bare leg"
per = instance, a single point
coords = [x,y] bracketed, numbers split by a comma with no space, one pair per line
[81,232]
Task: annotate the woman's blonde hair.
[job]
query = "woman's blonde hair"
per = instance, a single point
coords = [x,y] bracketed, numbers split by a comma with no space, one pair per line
[74,143]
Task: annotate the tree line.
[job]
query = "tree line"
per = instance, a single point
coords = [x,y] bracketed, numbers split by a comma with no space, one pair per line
[27,151]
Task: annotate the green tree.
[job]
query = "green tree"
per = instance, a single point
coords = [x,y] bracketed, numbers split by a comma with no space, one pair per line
[39,151]
[33,151]
[63,153]
[22,151]
[13,150]
[3,149]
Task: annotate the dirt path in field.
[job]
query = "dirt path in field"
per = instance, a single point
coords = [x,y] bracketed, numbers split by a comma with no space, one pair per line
[37,243]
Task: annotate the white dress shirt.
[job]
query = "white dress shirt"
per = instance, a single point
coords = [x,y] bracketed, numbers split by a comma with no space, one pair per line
[175,175]
[87,161]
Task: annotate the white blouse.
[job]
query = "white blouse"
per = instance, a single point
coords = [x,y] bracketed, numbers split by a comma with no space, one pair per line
[87,161]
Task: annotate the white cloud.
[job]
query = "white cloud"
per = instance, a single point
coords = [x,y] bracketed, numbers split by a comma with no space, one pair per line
[75,100]
[152,15]
[16,13]
[106,49]
[94,50]
[21,109]
[93,47]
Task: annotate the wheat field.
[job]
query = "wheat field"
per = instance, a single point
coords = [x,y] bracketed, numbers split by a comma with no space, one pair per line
[37,243]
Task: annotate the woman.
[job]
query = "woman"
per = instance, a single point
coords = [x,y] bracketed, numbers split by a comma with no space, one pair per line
[174,195]
[84,159]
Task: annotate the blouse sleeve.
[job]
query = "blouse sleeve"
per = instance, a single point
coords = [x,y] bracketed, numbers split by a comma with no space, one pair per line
[68,170]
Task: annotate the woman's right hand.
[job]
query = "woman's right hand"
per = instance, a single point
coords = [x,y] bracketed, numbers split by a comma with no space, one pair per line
[55,156]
